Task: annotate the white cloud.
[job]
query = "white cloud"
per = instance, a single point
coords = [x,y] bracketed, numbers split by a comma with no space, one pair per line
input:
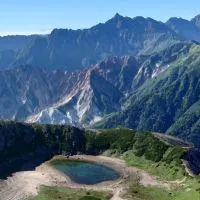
[2,33]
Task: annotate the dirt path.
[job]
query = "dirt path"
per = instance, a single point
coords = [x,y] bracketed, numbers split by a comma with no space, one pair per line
[24,184]
[187,168]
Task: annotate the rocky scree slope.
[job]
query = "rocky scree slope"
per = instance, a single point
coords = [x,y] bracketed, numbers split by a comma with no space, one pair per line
[24,90]
[105,86]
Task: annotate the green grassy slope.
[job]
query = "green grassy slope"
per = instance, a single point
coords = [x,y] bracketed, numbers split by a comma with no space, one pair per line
[143,150]
[156,155]
[56,193]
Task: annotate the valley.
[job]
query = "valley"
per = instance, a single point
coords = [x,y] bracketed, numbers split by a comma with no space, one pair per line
[132,81]
[129,91]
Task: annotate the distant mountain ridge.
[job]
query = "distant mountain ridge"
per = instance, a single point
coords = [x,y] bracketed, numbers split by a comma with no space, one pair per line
[76,49]
[188,29]
[10,46]
[196,20]
[16,42]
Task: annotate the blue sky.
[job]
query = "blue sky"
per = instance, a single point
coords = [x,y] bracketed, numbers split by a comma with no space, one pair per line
[41,16]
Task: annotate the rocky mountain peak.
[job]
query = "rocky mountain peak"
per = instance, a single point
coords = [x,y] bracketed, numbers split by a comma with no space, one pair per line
[117,16]
[119,21]
[196,20]
[188,29]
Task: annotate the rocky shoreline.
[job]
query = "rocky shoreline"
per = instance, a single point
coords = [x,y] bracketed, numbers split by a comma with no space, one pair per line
[27,183]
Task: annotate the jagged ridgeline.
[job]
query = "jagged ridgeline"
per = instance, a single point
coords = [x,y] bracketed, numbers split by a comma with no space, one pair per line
[76,49]
[25,146]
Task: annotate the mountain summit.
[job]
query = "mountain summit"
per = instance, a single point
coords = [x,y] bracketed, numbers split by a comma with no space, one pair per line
[77,49]
[196,20]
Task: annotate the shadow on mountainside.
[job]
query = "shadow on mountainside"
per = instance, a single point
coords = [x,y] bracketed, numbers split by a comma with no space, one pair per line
[26,162]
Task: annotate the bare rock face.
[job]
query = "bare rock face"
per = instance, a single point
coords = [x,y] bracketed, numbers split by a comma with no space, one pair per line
[90,99]
[26,90]
[98,90]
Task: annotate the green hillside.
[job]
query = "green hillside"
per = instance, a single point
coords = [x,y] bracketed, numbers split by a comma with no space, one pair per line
[19,141]
[167,103]
[158,155]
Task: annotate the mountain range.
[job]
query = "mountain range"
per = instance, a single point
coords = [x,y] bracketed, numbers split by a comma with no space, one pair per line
[168,103]
[138,73]
[76,49]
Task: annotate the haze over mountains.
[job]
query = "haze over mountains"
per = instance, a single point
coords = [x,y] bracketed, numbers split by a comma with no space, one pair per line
[144,71]
[75,49]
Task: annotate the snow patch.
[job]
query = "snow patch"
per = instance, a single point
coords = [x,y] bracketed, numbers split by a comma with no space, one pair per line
[159,69]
